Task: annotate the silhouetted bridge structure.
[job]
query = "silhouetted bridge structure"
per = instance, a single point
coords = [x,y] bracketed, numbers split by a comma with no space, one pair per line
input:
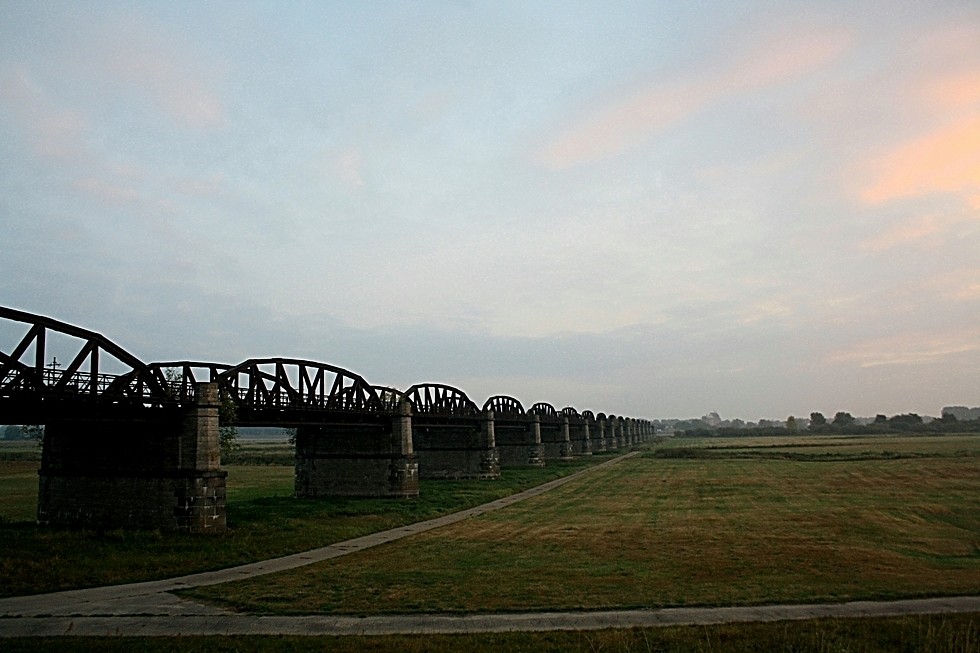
[134,444]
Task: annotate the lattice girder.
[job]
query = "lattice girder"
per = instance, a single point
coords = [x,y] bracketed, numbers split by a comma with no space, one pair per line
[545,411]
[439,399]
[504,406]
[181,377]
[82,377]
[281,383]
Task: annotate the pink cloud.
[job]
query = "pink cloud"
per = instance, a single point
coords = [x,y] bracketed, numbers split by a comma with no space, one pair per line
[909,232]
[175,88]
[946,159]
[165,68]
[910,348]
[639,113]
[55,132]
[934,89]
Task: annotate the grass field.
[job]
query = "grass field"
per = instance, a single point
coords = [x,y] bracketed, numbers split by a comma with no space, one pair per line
[711,521]
[656,531]
[265,521]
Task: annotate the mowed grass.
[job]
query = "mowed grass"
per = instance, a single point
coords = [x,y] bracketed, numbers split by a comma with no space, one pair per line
[656,531]
[264,518]
[832,446]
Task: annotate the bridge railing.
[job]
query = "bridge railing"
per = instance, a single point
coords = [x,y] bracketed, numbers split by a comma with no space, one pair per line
[79,383]
[289,400]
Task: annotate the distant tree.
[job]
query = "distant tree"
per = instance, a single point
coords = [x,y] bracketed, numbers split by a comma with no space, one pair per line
[949,418]
[227,413]
[791,424]
[906,418]
[843,419]
[33,432]
[881,419]
[817,419]
[227,418]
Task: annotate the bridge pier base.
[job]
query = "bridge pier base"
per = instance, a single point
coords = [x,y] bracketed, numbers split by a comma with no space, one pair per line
[557,440]
[359,459]
[599,437]
[457,449]
[159,470]
[581,440]
[519,443]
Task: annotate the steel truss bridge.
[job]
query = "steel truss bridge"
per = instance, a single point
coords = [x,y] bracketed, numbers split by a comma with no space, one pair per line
[265,391]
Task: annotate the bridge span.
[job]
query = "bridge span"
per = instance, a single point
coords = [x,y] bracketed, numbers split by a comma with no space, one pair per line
[136,445]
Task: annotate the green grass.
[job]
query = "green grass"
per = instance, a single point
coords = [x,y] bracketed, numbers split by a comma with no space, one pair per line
[668,532]
[22,450]
[928,634]
[264,521]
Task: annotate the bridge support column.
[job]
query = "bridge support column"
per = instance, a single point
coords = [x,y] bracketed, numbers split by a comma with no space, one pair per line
[581,440]
[358,459]
[158,470]
[519,443]
[599,441]
[557,440]
[457,447]
[615,434]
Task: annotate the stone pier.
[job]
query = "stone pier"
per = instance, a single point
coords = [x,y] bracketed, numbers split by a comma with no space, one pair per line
[147,468]
[599,444]
[578,432]
[519,441]
[367,456]
[556,438]
[456,448]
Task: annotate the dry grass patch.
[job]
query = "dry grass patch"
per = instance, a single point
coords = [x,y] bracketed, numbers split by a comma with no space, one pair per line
[652,532]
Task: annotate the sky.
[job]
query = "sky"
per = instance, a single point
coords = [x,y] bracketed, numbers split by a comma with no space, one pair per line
[651,209]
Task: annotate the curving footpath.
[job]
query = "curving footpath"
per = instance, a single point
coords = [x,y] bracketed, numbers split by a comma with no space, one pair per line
[149,608]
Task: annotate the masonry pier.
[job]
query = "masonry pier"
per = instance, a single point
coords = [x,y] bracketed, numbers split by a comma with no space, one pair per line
[358,456]
[578,432]
[456,447]
[145,468]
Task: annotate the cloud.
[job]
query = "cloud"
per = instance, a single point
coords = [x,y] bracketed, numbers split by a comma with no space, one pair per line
[172,85]
[640,112]
[944,160]
[55,133]
[917,231]
[911,348]
[165,67]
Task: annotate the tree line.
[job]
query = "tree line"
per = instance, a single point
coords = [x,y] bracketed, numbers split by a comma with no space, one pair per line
[842,423]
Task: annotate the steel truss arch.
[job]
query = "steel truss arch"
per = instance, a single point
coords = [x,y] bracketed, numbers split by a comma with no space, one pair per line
[181,377]
[504,406]
[390,397]
[570,412]
[291,383]
[545,411]
[82,378]
[440,399]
